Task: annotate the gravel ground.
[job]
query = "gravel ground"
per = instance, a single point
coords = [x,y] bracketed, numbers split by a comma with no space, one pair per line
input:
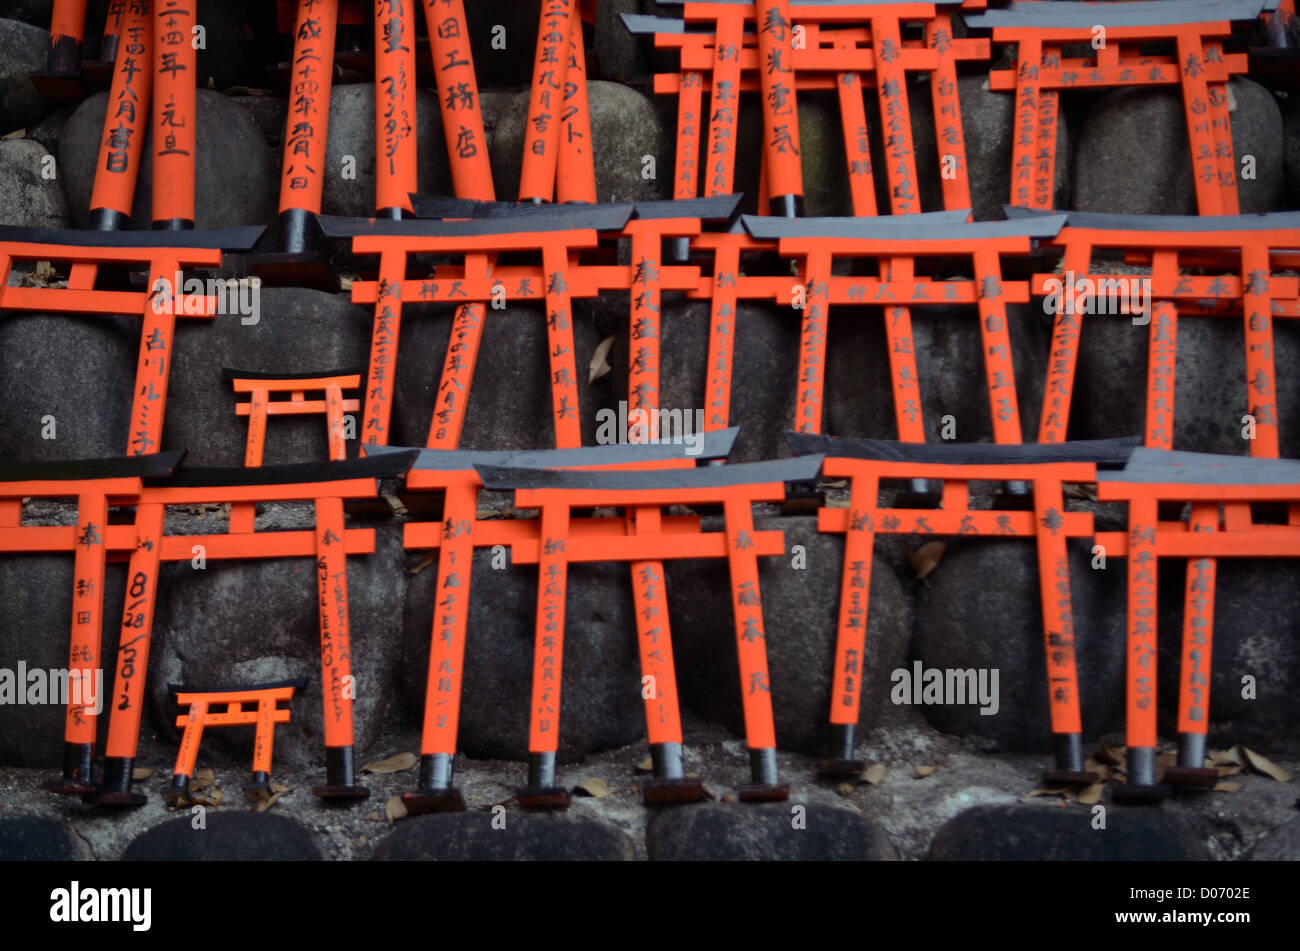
[909,806]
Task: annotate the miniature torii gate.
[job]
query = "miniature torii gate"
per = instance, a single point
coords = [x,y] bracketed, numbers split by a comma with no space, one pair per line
[260,386]
[793,50]
[163,254]
[1153,476]
[896,241]
[200,713]
[1242,248]
[556,493]
[866,462]
[461,531]
[1116,31]
[1253,247]
[555,233]
[326,485]
[96,484]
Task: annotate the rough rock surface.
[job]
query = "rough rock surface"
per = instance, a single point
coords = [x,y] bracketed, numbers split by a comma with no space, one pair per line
[771,832]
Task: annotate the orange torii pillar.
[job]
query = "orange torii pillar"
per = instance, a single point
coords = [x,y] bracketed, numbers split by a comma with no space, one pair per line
[266,713]
[1116,33]
[1206,481]
[298,259]
[129,101]
[61,80]
[328,544]
[163,255]
[97,71]
[459,533]
[96,484]
[543,128]
[736,488]
[395,127]
[175,114]
[471,177]
[866,462]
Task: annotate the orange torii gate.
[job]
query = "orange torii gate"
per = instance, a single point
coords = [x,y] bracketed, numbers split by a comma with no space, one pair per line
[1117,32]
[557,492]
[96,484]
[1221,490]
[162,254]
[326,486]
[555,233]
[812,46]
[260,385]
[729,284]
[1245,251]
[461,531]
[200,713]
[866,462]
[896,242]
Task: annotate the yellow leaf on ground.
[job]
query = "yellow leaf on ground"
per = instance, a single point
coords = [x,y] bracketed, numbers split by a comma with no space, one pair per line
[1263,765]
[1091,795]
[394,808]
[926,558]
[140,773]
[924,771]
[393,764]
[593,787]
[873,774]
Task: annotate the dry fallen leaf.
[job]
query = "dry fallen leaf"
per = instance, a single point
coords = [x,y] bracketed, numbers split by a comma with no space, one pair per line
[924,771]
[141,772]
[844,789]
[647,765]
[1225,758]
[395,809]
[1080,491]
[592,787]
[1111,756]
[1049,791]
[1227,785]
[269,801]
[873,774]
[926,558]
[599,365]
[15,134]
[201,779]
[1262,764]
[1091,795]
[429,558]
[394,764]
